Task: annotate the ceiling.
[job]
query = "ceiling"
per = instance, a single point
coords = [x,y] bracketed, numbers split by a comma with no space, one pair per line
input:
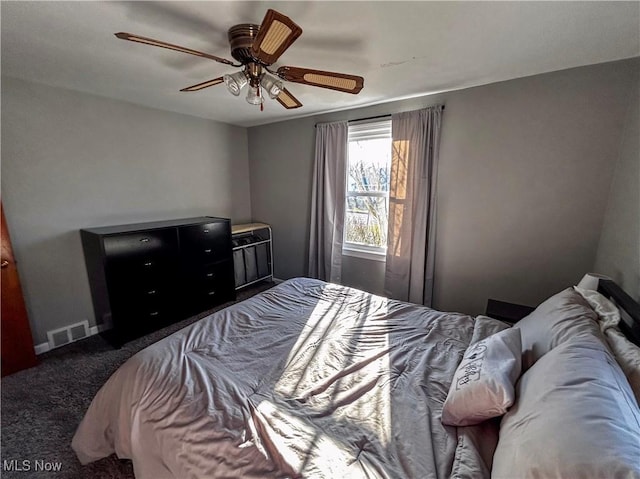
[402,49]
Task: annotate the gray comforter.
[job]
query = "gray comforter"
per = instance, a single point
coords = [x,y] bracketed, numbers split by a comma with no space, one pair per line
[307,379]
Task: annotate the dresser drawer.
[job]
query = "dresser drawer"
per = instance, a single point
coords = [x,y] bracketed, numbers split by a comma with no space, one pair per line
[205,243]
[142,268]
[134,290]
[210,277]
[219,272]
[210,285]
[141,318]
[130,246]
[206,296]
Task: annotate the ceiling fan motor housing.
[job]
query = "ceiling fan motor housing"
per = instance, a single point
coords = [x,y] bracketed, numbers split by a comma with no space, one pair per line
[241,39]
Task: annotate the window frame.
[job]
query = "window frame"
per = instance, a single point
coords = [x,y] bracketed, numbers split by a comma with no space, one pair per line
[366,130]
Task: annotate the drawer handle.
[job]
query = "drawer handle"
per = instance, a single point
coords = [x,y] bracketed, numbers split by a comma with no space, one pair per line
[148,263]
[144,240]
[210,275]
[211,293]
[207,250]
[153,291]
[155,313]
[205,231]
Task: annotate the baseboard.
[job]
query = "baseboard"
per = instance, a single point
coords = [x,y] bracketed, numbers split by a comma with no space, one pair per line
[45,347]
[41,348]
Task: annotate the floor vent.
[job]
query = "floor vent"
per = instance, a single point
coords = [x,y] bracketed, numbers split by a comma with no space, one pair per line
[68,334]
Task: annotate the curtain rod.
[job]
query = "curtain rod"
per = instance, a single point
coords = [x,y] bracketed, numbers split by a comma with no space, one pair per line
[369,118]
[361,119]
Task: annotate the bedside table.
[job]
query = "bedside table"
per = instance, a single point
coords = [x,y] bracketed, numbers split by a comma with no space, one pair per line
[507,312]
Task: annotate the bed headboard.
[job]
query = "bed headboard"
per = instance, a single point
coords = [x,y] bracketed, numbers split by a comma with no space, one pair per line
[630,322]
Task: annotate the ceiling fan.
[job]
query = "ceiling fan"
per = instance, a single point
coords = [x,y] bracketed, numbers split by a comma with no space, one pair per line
[256,48]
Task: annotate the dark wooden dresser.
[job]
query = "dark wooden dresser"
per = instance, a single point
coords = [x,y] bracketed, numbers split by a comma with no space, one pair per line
[145,276]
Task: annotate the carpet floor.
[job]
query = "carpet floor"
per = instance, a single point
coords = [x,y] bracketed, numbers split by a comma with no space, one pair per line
[41,407]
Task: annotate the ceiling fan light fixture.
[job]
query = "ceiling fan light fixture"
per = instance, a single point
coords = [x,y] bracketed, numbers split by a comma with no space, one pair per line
[235,82]
[271,85]
[253,96]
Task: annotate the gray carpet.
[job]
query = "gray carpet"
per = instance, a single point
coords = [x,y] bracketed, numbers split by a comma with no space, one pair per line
[42,406]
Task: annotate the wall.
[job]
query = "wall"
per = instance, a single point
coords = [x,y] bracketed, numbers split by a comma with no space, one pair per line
[619,249]
[520,199]
[72,160]
[363,274]
[280,167]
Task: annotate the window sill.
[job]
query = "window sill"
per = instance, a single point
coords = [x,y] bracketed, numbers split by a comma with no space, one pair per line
[364,254]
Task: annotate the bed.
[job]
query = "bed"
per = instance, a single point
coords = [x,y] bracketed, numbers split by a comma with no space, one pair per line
[311,379]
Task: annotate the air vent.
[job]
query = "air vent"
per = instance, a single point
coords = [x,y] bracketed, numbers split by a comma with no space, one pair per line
[68,334]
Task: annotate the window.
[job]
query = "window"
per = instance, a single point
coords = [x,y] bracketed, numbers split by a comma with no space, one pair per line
[367,195]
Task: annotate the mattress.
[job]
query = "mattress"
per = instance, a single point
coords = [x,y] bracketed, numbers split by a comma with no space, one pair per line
[307,379]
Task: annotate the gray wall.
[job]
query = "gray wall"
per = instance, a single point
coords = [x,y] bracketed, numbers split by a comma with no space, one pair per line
[280,165]
[619,249]
[363,274]
[72,160]
[524,172]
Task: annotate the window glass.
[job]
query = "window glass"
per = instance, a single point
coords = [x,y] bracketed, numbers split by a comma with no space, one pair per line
[367,195]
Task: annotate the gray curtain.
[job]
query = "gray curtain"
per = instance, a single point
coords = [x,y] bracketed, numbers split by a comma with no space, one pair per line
[412,205]
[327,201]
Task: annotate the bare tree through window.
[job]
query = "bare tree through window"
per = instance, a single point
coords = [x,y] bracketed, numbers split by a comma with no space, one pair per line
[367,196]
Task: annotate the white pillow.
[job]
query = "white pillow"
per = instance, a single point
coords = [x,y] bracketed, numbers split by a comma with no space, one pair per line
[575,417]
[608,314]
[626,353]
[562,317]
[483,384]
[628,356]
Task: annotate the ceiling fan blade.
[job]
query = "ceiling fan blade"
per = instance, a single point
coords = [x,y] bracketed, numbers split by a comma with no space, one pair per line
[204,84]
[287,100]
[178,48]
[333,81]
[277,33]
